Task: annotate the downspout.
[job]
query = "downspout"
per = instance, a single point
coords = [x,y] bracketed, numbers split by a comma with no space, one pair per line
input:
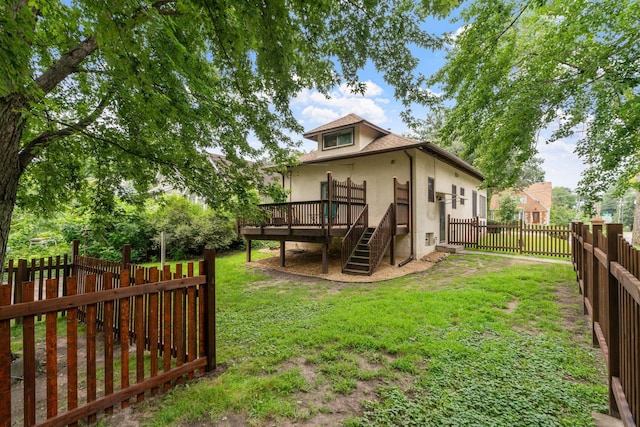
[411,228]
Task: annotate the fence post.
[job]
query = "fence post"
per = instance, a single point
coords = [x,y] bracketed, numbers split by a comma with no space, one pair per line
[448,228]
[613,232]
[584,233]
[22,275]
[595,279]
[349,201]
[126,256]
[329,202]
[75,251]
[521,240]
[210,303]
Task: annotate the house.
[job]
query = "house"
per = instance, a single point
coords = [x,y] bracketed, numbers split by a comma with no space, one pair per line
[370,192]
[533,203]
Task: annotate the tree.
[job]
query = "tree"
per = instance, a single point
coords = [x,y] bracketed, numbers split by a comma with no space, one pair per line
[527,72]
[508,209]
[563,206]
[127,90]
[531,173]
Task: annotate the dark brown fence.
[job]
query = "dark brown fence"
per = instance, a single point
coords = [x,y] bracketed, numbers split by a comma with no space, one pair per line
[608,271]
[171,322]
[515,237]
[37,271]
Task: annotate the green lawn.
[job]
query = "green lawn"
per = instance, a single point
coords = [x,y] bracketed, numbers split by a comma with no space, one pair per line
[476,340]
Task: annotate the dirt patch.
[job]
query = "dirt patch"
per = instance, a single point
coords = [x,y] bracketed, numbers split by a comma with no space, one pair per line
[309,264]
[511,306]
[571,307]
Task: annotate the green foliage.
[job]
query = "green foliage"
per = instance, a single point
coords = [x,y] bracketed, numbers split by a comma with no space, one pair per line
[508,210]
[443,349]
[27,226]
[519,67]
[126,92]
[190,227]
[619,207]
[563,206]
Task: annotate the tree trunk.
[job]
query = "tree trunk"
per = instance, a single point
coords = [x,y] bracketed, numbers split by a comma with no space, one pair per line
[11,128]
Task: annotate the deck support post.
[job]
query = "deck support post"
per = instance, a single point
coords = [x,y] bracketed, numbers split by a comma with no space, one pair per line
[392,250]
[248,249]
[282,251]
[325,257]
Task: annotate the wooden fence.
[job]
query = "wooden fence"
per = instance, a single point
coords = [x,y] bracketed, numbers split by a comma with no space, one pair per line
[608,271]
[171,321]
[516,237]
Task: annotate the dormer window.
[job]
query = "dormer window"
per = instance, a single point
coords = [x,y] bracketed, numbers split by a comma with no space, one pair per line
[337,139]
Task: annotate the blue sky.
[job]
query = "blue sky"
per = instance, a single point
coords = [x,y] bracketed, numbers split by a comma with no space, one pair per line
[562,167]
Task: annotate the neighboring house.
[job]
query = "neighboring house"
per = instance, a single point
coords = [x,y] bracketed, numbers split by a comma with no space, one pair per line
[371,192]
[534,203]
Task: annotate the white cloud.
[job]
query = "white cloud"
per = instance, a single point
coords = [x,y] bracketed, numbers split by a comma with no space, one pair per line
[562,165]
[371,89]
[322,115]
[319,109]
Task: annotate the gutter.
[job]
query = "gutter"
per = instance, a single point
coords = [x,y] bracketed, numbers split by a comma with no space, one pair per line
[411,228]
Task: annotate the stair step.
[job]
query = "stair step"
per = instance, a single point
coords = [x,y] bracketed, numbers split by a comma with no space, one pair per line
[357,265]
[347,270]
[359,259]
[358,253]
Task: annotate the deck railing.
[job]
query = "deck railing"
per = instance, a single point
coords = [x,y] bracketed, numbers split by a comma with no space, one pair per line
[381,238]
[402,197]
[354,234]
[314,213]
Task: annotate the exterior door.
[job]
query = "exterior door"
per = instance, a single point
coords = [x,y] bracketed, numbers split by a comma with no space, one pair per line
[443,219]
[536,218]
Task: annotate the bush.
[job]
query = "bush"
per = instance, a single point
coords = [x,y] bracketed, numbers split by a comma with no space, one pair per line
[190,228]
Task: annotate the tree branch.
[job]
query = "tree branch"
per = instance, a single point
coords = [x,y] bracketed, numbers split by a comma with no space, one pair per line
[29,151]
[67,64]
[513,22]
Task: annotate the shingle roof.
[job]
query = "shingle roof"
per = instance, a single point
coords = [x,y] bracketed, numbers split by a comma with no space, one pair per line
[348,120]
[385,143]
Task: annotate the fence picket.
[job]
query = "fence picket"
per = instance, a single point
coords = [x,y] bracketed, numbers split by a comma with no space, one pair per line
[72,348]
[153,328]
[29,356]
[91,346]
[139,332]
[108,341]
[146,314]
[52,353]
[124,337]
[5,357]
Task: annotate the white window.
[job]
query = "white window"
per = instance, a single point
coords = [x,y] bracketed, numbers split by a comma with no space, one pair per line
[337,139]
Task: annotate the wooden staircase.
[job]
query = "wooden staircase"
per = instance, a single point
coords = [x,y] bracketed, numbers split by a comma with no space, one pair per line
[359,260]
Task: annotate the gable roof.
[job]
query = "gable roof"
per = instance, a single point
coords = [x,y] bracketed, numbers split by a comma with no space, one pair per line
[541,193]
[538,197]
[343,122]
[388,142]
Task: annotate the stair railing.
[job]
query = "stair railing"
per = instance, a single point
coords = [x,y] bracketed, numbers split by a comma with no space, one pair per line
[380,239]
[353,235]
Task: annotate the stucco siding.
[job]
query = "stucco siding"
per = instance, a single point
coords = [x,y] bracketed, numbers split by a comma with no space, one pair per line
[378,171]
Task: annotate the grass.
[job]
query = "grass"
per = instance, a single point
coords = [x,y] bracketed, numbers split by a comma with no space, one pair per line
[476,340]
